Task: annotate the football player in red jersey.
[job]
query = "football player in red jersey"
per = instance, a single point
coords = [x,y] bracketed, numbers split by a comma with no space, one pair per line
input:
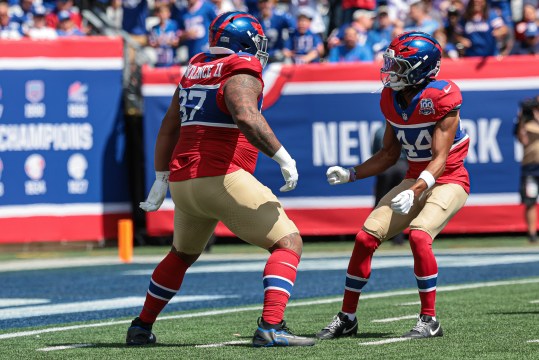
[206,151]
[422,116]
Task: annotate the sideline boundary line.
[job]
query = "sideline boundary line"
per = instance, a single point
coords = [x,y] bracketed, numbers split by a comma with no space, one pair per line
[252,308]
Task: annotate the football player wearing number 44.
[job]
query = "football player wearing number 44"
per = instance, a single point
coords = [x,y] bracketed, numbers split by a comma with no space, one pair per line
[208,163]
[422,116]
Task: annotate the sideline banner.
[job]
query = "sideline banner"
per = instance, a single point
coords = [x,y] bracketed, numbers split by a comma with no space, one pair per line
[62,168]
[326,114]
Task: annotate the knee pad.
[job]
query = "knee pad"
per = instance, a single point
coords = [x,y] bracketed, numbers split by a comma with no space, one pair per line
[366,241]
[419,241]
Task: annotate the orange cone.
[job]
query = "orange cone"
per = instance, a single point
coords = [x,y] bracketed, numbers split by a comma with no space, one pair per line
[125,240]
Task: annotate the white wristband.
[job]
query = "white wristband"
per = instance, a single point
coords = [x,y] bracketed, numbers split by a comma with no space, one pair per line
[162,176]
[282,156]
[428,178]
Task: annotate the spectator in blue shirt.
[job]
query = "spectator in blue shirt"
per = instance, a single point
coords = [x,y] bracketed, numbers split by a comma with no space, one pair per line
[420,20]
[480,29]
[134,17]
[66,26]
[363,21]
[350,50]
[277,27]
[304,46]
[382,32]
[8,29]
[503,8]
[163,37]
[527,32]
[22,12]
[193,21]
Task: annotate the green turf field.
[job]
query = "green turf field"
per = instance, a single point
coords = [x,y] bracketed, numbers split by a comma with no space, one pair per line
[497,320]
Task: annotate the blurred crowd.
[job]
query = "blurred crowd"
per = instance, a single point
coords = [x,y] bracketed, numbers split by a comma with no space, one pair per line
[299,31]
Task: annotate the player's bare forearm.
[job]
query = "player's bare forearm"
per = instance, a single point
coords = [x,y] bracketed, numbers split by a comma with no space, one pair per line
[383,159]
[241,97]
[168,135]
[164,147]
[442,140]
[378,163]
[521,132]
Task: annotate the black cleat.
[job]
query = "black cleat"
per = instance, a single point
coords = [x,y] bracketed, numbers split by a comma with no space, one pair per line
[340,326]
[267,335]
[140,333]
[426,327]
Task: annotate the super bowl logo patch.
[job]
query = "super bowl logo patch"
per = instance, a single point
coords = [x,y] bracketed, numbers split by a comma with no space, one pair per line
[426,107]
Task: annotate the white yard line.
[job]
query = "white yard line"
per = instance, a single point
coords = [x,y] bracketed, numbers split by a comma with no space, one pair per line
[409,303]
[253,308]
[44,264]
[6,302]
[385,341]
[444,261]
[236,342]
[533,341]
[406,317]
[23,312]
[64,347]
[534,302]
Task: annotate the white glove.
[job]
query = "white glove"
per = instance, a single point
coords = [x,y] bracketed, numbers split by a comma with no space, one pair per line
[288,169]
[402,203]
[338,175]
[157,192]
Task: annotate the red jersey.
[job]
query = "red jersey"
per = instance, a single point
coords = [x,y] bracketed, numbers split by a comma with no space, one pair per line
[210,143]
[414,126]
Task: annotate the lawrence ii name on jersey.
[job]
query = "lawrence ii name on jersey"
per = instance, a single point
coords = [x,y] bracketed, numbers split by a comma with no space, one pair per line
[414,126]
[210,143]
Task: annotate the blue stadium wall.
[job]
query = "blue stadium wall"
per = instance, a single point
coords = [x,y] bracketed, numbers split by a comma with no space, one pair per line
[326,114]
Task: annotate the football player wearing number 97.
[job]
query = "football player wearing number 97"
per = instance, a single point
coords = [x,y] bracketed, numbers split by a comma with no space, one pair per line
[206,151]
[422,116]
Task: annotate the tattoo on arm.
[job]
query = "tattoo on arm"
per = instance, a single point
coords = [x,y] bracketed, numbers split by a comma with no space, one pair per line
[241,97]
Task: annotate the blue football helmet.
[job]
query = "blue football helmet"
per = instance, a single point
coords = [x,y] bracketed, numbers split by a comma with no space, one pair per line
[237,31]
[410,59]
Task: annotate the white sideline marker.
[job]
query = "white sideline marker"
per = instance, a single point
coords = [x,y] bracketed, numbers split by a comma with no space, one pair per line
[236,342]
[252,308]
[406,317]
[534,302]
[533,341]
[386,341]
[64,347]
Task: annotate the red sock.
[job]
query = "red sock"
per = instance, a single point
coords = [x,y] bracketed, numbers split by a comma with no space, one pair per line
[279,277]
[359,270]
[425,270]
[164,284]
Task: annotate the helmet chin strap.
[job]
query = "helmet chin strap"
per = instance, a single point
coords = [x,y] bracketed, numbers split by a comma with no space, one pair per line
[396,84]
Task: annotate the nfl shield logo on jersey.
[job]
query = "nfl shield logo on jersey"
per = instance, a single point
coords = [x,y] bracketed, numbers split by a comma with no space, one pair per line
[426,107]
